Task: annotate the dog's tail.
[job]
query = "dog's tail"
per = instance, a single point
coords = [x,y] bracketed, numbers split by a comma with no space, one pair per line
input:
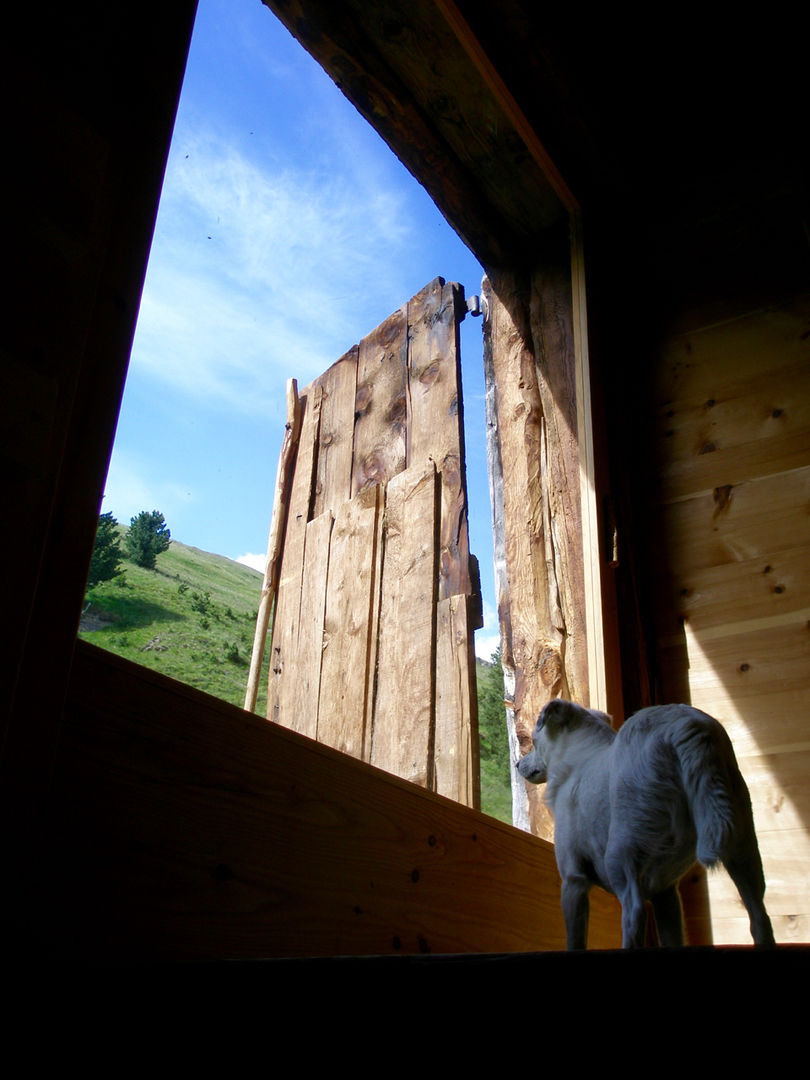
[711,778]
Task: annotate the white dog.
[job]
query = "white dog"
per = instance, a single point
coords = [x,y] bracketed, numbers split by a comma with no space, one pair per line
[634,809]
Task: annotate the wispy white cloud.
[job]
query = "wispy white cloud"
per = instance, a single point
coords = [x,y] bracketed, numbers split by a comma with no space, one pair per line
[257,272]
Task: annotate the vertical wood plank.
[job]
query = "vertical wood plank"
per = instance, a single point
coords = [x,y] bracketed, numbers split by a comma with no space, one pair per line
[402,739]
[553,341]
[333,480]
[435,427]
[381,410]
[456,740]
[288,598]
[300,691]
[533,638]
[350,625]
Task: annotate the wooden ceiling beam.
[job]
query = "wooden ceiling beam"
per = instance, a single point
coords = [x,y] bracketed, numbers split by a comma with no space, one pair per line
[422,79]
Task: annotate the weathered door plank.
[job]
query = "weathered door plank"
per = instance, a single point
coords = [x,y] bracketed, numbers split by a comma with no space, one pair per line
[349,639]
[333,479]
[381,411]
[456,743]
[303,691]
[435,427]
[403,721]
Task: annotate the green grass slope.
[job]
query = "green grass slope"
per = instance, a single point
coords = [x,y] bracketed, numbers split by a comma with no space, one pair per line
[192,618]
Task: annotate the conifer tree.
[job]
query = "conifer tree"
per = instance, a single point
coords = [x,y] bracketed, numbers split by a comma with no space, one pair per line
[148,536]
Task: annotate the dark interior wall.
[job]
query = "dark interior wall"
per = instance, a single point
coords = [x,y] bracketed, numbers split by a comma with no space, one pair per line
[90,94]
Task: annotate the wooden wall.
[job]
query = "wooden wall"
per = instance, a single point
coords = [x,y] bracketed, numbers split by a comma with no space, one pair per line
[180,828]
[733,560]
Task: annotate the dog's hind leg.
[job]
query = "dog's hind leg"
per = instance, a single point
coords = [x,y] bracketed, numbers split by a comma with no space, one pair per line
[746,873]
[622,875]
[576,909]
[668,917]
[634,916]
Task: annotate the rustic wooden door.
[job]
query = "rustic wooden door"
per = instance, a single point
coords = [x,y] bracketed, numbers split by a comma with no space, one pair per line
[371,649]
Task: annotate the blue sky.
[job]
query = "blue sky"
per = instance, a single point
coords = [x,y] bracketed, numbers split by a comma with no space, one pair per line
[287,231]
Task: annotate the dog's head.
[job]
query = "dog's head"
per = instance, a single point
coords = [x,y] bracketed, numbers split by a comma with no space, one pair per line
[557,716]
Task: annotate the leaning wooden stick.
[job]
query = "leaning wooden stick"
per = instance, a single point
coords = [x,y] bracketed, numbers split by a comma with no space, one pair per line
[277,522]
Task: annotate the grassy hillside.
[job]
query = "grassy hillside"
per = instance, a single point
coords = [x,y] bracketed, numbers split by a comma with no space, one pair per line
[193,618]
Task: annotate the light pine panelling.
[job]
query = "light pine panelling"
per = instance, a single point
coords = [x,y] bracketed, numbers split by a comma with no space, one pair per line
[733,515]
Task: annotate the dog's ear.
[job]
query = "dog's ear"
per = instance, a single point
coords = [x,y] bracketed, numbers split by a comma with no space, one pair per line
[559,714]
[556,714]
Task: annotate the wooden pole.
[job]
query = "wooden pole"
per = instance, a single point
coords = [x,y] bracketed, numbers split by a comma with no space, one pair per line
[275,539]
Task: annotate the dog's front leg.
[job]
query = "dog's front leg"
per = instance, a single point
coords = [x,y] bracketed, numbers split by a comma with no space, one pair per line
[575,909]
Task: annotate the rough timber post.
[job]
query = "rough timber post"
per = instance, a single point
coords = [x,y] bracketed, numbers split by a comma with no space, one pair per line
[534,452]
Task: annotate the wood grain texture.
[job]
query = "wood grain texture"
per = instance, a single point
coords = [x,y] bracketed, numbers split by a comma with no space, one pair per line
[746,429]
[739,592]
[352,595]
[733,445]
[354,653]
[333,474]
[381,405]
[694,365]
[181,828]
[731,523]
[548,657]
[303,691]
[455,754]
[435,428]
[551,314]
[404,708]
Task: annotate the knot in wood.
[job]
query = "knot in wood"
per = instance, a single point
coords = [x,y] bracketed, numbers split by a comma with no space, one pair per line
[373,469]
[450,469]
[430,374]
[550,666]
[362,400]
[397,410]
[722,497]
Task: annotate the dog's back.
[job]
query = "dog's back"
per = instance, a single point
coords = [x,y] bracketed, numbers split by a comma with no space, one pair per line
[680,746]
[676,791]
[677,795]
